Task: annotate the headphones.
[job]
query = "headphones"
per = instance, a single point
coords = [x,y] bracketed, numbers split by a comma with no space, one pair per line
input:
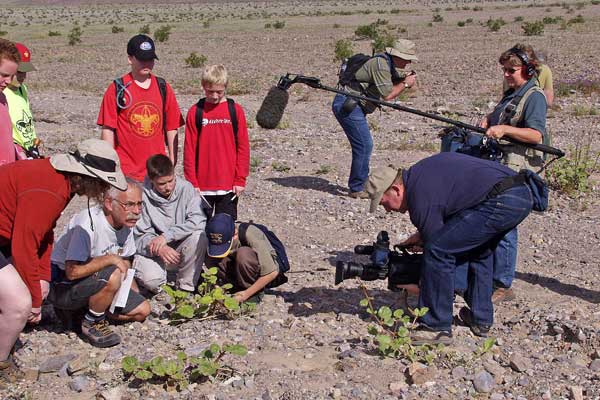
[529,68]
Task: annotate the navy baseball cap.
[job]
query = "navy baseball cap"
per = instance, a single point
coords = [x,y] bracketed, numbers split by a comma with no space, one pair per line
[220,230]
[142,48]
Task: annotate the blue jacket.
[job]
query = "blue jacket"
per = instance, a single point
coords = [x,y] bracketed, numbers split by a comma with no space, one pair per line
[439,186]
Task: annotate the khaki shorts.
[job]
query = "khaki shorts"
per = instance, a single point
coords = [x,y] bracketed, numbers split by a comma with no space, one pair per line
[73,295]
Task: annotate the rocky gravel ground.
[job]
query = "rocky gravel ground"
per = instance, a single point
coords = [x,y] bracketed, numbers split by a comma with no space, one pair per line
[308,339]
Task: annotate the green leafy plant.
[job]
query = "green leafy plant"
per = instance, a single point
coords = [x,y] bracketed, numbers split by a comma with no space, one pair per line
[145,29]
[571,175]
[343,49]
[178,373]
[323,169]
[383,40]
[117,29]
[495,24]
[255,163]
[212,301]
[162,33]
[75,36]
[535,28]
[485,346]
[195,61]
[392,332]
[280,166]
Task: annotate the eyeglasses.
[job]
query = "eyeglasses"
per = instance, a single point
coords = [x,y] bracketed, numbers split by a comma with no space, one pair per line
[130,205]
[510,70]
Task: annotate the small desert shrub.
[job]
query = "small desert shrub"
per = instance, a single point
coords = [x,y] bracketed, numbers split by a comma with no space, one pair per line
[595,2]
[75,36]
[397,10]
[268,25]
[195,61]
[145,30]
[280,166]
[3,33]
[366,31]
[337,26]
[437,18]
[460,23]
[206,24]
[477,8]
[583,85]
[279,24]
[54,33]
[343,49]
[552,20]
[533,28]
[581,110]
[117,29]
[162,33]
[571,175]
[255,163]
[495,24]
[577,20]
[519,18]
[383,40]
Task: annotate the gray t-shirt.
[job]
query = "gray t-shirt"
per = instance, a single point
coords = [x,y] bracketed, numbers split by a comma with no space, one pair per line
[80,242]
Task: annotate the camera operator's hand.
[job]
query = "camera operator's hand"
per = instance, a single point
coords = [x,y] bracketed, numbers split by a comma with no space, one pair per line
[410,80]
[412,240]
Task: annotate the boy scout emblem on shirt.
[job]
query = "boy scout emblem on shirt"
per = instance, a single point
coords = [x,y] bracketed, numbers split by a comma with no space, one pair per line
[24,125]
[144,119]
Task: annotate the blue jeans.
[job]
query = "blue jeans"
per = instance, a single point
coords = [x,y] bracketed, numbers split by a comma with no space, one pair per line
[505,262]
[469,237]
[505,259]
[357,131]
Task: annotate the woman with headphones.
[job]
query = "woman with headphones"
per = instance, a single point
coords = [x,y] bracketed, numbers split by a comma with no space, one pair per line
[521,114]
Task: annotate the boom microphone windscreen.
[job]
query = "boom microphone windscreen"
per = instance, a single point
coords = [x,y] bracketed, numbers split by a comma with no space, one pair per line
[271,110]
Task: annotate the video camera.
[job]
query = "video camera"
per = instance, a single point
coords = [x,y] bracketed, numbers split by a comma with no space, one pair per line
[398,266]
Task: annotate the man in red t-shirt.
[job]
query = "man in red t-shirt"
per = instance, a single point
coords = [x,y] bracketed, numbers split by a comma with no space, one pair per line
[216,160]
[132,114]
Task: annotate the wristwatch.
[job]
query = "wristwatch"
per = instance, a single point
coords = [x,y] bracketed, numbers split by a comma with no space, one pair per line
[406,85]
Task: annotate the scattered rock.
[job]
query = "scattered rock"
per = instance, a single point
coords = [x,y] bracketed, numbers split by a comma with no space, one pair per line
[497,396]
[483,382]
[576,393]
[495,369]
[78,365]
[519,363]
[336,393]
[459,372]
[419,374]
[397,386]
[55,363]
[595,365]
[114,393]
[31,374]
[81,384]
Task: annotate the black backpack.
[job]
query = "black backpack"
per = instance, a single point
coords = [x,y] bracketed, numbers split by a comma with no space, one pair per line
[120,98]
[198,118]
[348,69]
[282,258]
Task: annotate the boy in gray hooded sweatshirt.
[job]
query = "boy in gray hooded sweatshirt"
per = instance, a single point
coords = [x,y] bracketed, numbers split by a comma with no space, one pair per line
[170,234]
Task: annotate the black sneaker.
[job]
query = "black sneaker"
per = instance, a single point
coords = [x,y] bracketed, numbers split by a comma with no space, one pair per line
[425,335]
[467,318]
[99,334]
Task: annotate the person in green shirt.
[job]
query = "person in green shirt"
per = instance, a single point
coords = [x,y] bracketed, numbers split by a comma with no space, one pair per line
[17,97]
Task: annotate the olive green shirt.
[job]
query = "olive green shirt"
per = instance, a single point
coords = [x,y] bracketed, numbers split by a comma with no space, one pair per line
[257,241]
[375,78]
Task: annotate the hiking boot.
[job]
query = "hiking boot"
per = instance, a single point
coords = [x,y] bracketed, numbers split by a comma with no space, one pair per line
[99,334]
[425,335]
[9,373]
[467,318]
[503,294]
[359,195]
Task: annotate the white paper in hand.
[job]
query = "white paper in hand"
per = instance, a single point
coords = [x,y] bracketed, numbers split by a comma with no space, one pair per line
[121,297]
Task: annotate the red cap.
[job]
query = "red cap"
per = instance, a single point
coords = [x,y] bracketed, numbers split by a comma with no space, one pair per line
[25,65]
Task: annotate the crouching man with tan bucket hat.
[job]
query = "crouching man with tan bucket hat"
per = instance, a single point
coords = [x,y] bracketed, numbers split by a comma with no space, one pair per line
[33,196]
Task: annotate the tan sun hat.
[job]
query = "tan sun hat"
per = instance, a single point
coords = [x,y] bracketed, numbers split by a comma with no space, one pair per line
[380,180]
[404,49]
[93,157]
